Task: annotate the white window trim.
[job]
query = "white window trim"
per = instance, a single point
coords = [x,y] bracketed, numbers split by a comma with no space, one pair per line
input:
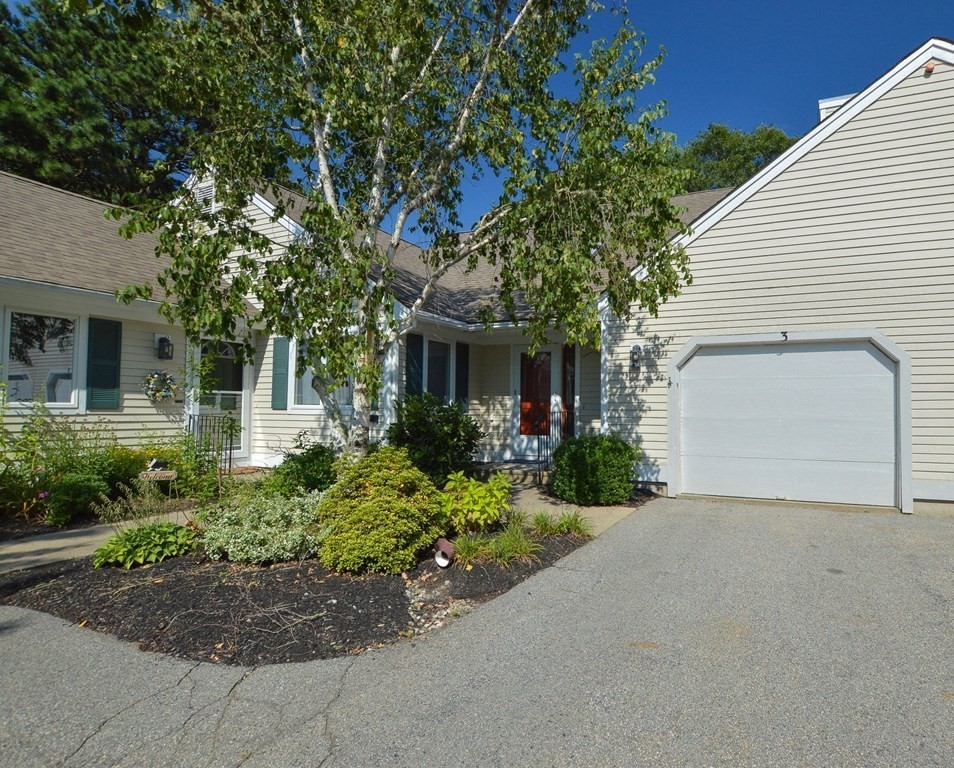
[77,404]
[293,405]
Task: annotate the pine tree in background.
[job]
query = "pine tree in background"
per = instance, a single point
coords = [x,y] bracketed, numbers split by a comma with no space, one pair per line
[82,105]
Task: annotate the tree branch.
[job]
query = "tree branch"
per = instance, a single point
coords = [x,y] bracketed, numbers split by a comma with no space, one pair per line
[447,154]
[320,129]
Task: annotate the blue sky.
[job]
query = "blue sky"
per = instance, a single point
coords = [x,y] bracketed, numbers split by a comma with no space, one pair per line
[744,63]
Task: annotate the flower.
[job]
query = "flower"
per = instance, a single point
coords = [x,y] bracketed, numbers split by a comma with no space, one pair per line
[43,494]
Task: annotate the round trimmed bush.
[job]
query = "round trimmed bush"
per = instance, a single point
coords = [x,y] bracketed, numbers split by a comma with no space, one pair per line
[594,470]
[379,515]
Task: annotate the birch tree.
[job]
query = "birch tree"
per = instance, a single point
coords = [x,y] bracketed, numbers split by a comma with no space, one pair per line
[384,115]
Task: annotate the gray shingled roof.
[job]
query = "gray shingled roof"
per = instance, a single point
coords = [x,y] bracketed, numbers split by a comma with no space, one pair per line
[460,295]
[48,235]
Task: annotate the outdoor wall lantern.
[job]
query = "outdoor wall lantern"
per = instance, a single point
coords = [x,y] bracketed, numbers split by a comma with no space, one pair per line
[636,358]
[164,345]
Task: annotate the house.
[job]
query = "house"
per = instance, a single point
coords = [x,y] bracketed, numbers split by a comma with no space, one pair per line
[523,403]
[65,340]
[811,358]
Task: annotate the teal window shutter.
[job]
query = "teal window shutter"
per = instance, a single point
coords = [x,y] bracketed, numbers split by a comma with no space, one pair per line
[414,365]
[280,374]
[102,364]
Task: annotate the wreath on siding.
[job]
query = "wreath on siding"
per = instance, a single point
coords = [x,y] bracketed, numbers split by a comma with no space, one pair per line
[160,386]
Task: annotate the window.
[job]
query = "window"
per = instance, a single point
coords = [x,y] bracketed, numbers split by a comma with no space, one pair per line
[40,358]
[436,367]
[306,395]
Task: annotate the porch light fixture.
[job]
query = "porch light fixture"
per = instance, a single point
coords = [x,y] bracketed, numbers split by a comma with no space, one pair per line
[164,345]
[636,358]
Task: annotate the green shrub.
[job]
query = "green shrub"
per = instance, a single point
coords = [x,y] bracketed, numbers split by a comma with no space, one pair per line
[73,495]
[121,465]
[380,514]
[264,529]
[310,470]
[439,437]
[37,448]
[594,470]
[146,544]
[474,506]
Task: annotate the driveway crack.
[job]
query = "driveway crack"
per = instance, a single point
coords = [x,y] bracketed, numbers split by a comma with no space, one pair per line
[325,714]
[99,728]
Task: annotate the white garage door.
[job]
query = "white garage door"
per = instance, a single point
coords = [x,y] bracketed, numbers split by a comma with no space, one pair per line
[805,421]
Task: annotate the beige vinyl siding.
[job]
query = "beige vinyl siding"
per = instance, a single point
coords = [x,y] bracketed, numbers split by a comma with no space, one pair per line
[855,234]
[276,232]
[137,416]
[589,414]
[490,401]
[274,431]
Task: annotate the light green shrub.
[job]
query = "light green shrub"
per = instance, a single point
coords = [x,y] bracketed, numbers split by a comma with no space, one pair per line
[380,514]
[264,529]
[474,506]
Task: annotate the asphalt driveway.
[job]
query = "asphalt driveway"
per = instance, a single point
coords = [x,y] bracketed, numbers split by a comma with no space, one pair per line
[693,633]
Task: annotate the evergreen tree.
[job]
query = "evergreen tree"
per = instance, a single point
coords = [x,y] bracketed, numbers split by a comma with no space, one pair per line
[82,105]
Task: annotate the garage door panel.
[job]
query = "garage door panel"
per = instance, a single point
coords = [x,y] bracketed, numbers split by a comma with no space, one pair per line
[815,438]
[854,358]
[795,396]
[809,421]
[793,480]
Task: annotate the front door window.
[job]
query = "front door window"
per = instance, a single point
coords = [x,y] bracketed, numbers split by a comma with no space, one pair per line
[535,374]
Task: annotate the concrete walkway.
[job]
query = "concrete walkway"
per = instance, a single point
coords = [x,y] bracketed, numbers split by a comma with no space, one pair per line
[32,551]
[49,548]
[692,633]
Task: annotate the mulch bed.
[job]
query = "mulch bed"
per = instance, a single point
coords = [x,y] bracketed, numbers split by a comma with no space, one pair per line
[220,612]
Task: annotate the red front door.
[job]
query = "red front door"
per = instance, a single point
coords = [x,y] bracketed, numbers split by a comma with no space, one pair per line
[535,393]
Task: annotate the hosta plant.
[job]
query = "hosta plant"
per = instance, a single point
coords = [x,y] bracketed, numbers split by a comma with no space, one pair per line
[151,543]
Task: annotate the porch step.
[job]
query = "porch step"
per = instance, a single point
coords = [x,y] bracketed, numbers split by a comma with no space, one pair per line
[517,472]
